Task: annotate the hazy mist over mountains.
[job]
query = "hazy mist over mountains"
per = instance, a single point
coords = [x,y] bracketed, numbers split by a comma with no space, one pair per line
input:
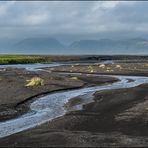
[48,45]
[73,27]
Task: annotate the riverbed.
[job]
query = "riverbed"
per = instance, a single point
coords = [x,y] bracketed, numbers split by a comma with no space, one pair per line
[51,106]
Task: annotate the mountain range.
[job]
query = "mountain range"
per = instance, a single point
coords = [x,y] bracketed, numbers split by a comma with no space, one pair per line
[50,45]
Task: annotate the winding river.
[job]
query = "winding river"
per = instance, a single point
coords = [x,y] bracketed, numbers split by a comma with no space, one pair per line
[51,106]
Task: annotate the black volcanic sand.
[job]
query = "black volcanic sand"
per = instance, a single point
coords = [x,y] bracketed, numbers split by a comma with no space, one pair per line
[115,118]
[15,96]
[116,68]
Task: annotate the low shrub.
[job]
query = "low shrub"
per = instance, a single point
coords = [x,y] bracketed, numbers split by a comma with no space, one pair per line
[35,81]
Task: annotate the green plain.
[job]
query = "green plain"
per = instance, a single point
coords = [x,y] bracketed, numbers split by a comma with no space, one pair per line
[18,59]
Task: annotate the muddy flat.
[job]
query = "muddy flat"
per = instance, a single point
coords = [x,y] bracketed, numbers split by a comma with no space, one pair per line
[114,68]
[14,93]
[116,117]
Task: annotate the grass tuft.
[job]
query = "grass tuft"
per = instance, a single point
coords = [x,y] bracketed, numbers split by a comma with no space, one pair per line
[74,78]
[102,66]
[35,81]
[118,66]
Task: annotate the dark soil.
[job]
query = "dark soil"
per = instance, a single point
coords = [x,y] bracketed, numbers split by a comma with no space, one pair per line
[134,69]
[114,117]
[14,95]
[96,125]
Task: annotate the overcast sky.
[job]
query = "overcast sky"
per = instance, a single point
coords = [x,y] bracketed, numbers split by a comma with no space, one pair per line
[73,20]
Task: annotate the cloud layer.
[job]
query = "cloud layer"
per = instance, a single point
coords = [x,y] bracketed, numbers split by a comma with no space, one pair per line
[22,19]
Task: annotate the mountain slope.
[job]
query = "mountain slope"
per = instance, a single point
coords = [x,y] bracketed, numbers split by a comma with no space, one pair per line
[102,46]
[108,46]
[39,45]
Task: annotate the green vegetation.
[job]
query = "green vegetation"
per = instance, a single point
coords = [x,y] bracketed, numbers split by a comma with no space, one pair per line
[35,81]
[23,59]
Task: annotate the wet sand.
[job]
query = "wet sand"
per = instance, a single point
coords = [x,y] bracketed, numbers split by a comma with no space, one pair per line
[114,118]
[15,96]
[133,69]
[98,124]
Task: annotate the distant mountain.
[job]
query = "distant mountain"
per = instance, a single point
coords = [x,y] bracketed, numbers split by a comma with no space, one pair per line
[108,46]
[39,45]
[103,46]
[92,45]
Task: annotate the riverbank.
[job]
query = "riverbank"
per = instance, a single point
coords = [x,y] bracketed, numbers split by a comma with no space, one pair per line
[133,69]
[15,96]
[25,59]
[103,122]
[114,117]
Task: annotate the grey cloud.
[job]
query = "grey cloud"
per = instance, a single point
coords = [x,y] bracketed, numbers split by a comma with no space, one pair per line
[79,17]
